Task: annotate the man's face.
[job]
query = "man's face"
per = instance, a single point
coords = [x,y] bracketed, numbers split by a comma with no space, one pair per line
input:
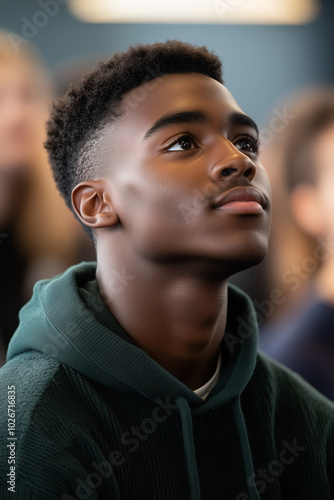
[192,186]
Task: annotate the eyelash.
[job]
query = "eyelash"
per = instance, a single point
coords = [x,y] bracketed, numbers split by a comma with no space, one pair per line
[186,135]
[255,142]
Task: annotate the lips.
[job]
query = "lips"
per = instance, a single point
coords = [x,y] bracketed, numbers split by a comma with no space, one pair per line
[241,200]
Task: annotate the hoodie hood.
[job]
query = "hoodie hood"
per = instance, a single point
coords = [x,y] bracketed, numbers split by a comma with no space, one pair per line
[58,323]
[63,320]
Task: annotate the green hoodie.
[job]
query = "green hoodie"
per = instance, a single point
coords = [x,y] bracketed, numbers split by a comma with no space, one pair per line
[97,418]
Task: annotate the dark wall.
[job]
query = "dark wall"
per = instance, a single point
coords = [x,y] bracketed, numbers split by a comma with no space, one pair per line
[262,63]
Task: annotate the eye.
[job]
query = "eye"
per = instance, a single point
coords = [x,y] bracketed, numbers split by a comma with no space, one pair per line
[248,144]
[182,143]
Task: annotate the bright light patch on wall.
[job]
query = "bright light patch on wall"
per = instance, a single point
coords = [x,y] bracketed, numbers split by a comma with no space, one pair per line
[196,11]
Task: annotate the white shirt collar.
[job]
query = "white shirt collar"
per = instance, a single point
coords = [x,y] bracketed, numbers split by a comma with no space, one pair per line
[205,390]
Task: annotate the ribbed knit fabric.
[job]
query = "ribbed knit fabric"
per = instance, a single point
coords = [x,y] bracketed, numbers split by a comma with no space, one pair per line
[97,418]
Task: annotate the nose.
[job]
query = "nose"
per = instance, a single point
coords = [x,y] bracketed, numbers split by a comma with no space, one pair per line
[232,163]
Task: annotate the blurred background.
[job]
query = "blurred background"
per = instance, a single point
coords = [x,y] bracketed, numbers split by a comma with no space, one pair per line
[263,62]
[278,64]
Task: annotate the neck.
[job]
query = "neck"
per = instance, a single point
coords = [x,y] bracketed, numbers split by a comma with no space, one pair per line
[174,312]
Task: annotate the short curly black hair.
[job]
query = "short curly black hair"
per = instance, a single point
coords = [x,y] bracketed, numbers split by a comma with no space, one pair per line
[79,118]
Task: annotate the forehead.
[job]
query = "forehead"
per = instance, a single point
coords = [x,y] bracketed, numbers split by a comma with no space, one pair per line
[173,93]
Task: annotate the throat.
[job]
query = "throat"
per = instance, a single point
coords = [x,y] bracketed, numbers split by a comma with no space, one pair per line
[195,367]
[177,318]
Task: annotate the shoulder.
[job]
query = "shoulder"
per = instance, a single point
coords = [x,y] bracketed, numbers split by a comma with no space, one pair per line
[45,390]
[29,374]
[45,407]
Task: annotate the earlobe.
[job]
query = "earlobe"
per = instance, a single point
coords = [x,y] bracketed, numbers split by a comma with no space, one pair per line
[92,204]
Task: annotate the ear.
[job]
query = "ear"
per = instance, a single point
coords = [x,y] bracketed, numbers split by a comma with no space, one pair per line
[308,211]
[92,204]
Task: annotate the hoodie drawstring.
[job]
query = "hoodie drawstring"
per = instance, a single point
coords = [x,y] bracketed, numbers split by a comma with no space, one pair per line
[189,447]
[246,452]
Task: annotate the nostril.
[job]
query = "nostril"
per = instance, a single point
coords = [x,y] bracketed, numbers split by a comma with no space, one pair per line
[228,171]
[249,172]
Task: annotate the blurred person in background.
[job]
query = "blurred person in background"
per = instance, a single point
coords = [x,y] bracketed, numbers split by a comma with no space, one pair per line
[39,236]
[300,303]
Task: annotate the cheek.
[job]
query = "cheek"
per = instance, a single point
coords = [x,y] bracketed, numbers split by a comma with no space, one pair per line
[152,215]
[262,178]
[149,196]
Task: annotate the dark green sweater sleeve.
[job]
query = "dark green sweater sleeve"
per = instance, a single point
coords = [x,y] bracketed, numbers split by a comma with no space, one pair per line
[47,467]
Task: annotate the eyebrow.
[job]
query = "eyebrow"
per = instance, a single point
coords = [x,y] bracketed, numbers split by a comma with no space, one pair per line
[176,119]
[241,119]
[197,117]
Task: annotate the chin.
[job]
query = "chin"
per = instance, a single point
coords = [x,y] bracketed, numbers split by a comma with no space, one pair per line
[247,262]
[243,254]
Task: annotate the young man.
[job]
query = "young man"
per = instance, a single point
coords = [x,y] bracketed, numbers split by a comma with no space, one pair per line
[138,377]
